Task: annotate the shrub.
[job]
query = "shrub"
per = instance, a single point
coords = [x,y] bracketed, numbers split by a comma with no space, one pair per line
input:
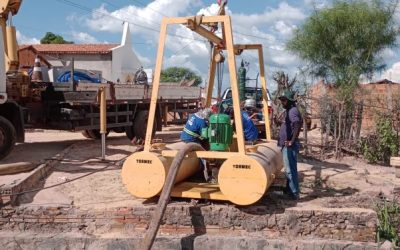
[381,145]
[389,221]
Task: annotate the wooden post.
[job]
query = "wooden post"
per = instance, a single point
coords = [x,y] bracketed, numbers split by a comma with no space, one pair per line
[395,162]
[165,115]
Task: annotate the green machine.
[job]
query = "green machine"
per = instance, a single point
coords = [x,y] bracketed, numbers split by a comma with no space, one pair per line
[242,81]
[219,132]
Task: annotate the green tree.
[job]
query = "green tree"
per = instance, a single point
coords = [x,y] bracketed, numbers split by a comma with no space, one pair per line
[177,74]
[51,38]
[345,41]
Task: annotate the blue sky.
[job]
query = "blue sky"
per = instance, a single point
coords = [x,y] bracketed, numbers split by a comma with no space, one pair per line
[258,21]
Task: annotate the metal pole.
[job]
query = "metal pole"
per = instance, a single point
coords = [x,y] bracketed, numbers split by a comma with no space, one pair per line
[73,85]
[103,121]
[103,146]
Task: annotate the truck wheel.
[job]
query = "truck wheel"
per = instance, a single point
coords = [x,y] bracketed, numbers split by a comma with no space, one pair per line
[119,130]
[93,134]
[85,133]
[129,132]
[8,136]
[140,124]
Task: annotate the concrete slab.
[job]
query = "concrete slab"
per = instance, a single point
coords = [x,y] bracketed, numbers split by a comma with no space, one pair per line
[12,240]
[337,201]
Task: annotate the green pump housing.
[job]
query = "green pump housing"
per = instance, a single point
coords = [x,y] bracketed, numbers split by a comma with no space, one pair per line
[219,132]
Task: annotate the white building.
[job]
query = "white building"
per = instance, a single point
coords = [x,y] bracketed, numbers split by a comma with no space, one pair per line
[117,62]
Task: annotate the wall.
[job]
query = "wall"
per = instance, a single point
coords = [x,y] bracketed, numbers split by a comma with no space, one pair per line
[377,99]
[90,62]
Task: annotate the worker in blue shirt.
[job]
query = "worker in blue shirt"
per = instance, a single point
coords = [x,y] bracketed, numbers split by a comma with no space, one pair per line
[192,130]
[192,133]
[250,130]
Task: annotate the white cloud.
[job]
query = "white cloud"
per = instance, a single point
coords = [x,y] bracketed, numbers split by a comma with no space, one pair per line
[393,73]
[283,12]
[211,10]
[270,27]
[388,54]
[145,20]
[22,39]
[180,61]
[144,60]
[82,37]
[284,28]
[318,4]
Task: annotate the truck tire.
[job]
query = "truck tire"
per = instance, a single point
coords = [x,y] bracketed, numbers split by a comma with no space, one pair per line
[8,136]
[129,132]
[93,134]
[140,124]
[85,133]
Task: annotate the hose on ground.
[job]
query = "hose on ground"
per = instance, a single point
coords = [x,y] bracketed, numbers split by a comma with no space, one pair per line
[166,193]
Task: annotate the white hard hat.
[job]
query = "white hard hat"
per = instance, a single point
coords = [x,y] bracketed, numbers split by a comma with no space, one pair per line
[250,103]
[207,112]
[204,113]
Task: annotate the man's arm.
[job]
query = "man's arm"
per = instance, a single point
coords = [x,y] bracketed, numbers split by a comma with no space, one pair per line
[295,119]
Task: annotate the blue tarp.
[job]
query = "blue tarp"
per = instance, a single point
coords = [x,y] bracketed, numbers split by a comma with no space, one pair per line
[78,76]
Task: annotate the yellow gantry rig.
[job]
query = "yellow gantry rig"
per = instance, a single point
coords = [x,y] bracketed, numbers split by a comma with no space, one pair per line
[245,171]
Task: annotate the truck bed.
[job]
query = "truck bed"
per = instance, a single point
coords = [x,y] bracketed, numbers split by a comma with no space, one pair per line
[128,92]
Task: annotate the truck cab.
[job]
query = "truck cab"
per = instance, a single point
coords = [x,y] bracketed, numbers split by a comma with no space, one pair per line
[11,114]
[250,93]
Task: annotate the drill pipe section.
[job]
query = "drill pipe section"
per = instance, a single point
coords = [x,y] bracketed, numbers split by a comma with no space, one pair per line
[244,179]
[144,173]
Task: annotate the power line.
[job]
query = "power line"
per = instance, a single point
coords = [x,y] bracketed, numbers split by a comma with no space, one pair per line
[87,9]
[176,53]
[147,6]
[259,37]
[119,7]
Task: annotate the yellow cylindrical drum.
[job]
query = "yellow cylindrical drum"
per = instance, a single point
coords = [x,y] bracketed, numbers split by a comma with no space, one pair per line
[244,179]
[144,173]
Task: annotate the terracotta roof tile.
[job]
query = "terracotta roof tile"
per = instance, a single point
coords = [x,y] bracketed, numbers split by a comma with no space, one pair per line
[71,48]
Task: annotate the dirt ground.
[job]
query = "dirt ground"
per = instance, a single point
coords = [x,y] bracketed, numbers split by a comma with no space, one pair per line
[349,182]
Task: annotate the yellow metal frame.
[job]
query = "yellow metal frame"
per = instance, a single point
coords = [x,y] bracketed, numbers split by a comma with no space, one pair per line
[224,43]
[8,7]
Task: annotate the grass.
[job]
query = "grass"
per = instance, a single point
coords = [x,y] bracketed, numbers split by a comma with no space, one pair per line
[389,222]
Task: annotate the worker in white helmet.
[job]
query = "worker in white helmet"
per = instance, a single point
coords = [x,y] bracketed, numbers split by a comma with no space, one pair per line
[192,130]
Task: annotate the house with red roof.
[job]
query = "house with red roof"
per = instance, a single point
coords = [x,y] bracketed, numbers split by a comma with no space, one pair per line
[116,62]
